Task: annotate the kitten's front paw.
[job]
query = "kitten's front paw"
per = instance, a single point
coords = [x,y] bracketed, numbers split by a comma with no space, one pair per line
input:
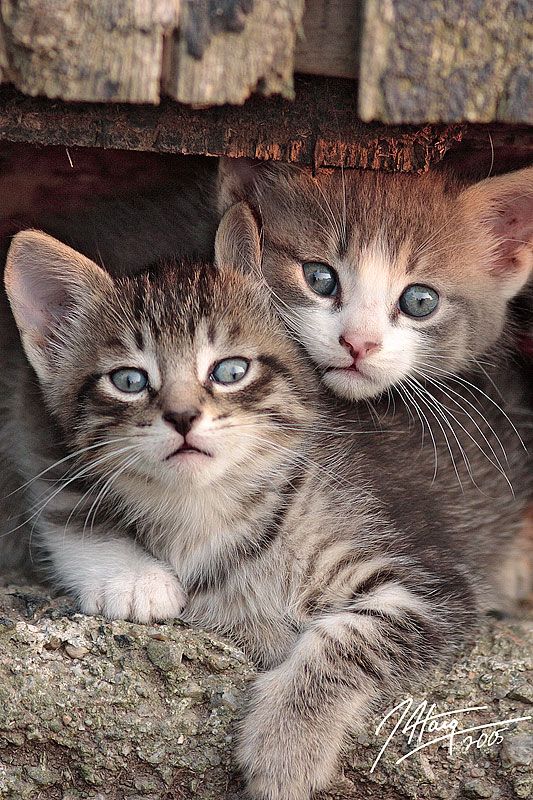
[283,756]
[147,593]
[269,770]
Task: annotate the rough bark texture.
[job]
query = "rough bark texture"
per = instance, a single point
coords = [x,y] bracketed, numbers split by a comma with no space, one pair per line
[303,132]
[97,709]
[447,60]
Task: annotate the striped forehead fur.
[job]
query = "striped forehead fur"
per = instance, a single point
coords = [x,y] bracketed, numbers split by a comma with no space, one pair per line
[176,295]
[170,301]
[408,206]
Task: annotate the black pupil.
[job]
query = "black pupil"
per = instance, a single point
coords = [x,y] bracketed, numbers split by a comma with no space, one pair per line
[129,380]
[320,278]
[230,371]
[422,299]
[418,301]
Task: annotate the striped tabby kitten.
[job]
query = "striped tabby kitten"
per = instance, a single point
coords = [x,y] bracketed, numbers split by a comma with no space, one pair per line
[389,280]
[195,473]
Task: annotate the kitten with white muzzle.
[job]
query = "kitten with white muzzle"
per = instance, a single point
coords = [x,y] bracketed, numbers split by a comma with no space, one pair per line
[154,392]
[389,279]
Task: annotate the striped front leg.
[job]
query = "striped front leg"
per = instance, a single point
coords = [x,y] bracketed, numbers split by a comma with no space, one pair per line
[396,621]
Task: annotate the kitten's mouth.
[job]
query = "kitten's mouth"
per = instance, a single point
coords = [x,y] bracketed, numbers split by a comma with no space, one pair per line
[187,450]
[351,370]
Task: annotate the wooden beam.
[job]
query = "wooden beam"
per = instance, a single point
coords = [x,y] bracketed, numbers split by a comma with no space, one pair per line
[320,128]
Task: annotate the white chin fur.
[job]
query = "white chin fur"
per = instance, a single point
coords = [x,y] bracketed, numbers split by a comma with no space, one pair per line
[352,386]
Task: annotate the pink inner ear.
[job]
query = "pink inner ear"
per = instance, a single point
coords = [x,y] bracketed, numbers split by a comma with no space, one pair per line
[41,300]
[514,227]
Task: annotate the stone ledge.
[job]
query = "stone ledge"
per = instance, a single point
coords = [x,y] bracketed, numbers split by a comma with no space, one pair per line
[98,709]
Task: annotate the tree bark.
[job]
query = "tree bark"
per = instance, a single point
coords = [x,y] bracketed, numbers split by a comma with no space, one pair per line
[303,132]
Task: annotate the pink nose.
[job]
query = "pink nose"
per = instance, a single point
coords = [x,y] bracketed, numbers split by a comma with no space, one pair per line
[357,347]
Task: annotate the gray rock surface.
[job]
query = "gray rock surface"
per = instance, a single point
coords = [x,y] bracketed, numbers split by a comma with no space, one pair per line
[97,709]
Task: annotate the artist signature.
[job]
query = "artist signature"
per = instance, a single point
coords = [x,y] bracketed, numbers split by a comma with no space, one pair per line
[420,722]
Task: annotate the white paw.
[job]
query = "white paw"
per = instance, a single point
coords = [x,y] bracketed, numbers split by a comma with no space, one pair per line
[146,594]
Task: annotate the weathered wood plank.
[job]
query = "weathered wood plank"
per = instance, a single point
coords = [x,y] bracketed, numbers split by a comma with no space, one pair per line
[320,128]
[201,52]
[329,42]
[421,60]
[233,64]
[447,60]
[111,50]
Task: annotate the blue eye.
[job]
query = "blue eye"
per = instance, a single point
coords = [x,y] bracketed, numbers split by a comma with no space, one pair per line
[322,279]
[129,380]
[418,300]
[230,370]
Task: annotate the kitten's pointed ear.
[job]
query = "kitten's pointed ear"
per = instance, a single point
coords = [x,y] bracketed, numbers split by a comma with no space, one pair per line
[503,208]
[236,180]
[237,242]
[44,281]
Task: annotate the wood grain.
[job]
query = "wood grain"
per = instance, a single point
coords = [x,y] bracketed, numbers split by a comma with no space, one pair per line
[110,50]
[320,128]
[235,64]
[417,61]
[329,42]
[128,50]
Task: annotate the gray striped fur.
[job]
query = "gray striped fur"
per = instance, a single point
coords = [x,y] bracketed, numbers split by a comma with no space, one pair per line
[311,538]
